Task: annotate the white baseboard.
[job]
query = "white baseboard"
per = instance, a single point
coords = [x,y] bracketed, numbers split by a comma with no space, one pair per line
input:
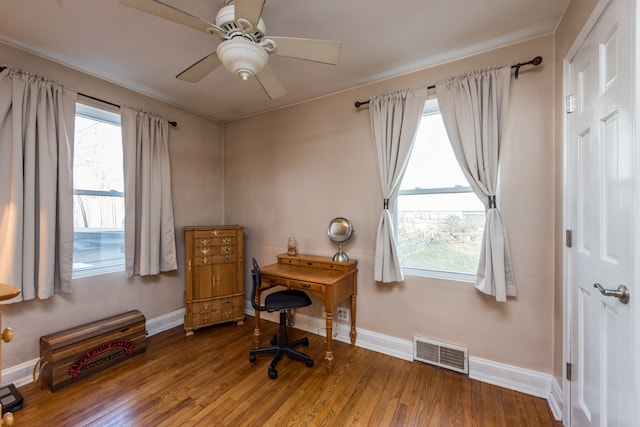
[165,322]
[556,399]
[508,376]
[511,377]
[19,375]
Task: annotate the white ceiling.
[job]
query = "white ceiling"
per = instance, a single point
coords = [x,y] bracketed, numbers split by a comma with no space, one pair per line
[379,39]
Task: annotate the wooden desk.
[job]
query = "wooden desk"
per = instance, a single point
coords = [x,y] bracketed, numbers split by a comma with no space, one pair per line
[332,282]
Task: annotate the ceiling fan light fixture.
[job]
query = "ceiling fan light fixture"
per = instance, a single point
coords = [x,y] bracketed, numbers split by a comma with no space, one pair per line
[226,19]
[242,57]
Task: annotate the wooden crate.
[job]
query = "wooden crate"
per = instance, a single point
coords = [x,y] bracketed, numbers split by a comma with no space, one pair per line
[75,353]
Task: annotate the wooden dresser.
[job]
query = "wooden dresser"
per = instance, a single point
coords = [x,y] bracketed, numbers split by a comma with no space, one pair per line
[214,291]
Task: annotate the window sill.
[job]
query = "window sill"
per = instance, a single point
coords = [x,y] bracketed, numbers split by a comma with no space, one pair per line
[439,274]
[92,270]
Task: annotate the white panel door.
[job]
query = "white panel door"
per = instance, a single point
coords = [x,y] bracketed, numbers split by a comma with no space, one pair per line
[600,189]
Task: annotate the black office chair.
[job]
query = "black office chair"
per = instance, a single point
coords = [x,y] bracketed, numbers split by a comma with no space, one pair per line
[279,301]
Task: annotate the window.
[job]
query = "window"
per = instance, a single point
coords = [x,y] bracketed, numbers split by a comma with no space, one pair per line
[440,220]
[98,193]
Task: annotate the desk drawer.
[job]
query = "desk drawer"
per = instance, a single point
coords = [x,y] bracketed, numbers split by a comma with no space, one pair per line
[268,281]
[307,263]
[306,286]
[334,266]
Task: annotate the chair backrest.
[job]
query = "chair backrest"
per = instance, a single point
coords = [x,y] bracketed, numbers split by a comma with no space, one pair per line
[257,280]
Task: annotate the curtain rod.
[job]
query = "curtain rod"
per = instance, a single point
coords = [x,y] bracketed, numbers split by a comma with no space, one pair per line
[535,61]
[171,122]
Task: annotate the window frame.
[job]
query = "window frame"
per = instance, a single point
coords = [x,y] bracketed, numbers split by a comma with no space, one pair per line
[431,109]
[109,115]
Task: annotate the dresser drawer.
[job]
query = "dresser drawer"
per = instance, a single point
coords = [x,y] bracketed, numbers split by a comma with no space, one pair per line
[227,308]
[216,259]
[213,233]
[207,251]
[199,307]
[208,242]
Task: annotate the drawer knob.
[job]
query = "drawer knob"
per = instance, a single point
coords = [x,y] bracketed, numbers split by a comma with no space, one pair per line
[205,260]
[7,335]
[306,285]
[227,258]
[206,242]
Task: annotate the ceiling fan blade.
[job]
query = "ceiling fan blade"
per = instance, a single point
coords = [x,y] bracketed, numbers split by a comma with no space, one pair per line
[271,83]
[251,10]
[197,71]
[325,51]
[166,11]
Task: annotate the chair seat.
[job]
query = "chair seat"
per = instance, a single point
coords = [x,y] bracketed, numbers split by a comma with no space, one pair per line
[286,300]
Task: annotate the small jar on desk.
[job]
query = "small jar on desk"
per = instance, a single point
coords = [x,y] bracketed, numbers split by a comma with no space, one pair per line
[292,246]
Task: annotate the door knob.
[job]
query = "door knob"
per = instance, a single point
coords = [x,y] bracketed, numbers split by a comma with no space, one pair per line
[622,293]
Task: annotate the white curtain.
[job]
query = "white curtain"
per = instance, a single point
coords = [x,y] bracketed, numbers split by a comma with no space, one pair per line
[474,108]
[37,120]
[150,246]
[394,122]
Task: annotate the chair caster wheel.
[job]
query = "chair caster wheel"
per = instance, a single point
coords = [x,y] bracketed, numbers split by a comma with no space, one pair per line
[305,342]
[309,363]
[273,374]
[252,357]
[274,340]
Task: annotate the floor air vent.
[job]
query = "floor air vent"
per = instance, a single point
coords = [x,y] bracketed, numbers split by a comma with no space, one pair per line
[441,354]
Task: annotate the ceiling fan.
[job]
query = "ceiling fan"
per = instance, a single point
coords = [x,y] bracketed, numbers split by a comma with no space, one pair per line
[245,48]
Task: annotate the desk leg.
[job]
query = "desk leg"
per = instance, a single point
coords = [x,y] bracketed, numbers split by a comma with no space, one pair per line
[352,333]
[256,330]
[328,357]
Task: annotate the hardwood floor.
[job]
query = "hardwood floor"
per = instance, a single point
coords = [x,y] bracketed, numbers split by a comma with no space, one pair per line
[207,380]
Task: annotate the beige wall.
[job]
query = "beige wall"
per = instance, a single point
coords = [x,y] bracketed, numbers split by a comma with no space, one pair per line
[197,183]
[288,172]
[572,22]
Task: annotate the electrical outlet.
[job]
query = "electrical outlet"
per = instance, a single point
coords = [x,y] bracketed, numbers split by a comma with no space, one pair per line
[343,313]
